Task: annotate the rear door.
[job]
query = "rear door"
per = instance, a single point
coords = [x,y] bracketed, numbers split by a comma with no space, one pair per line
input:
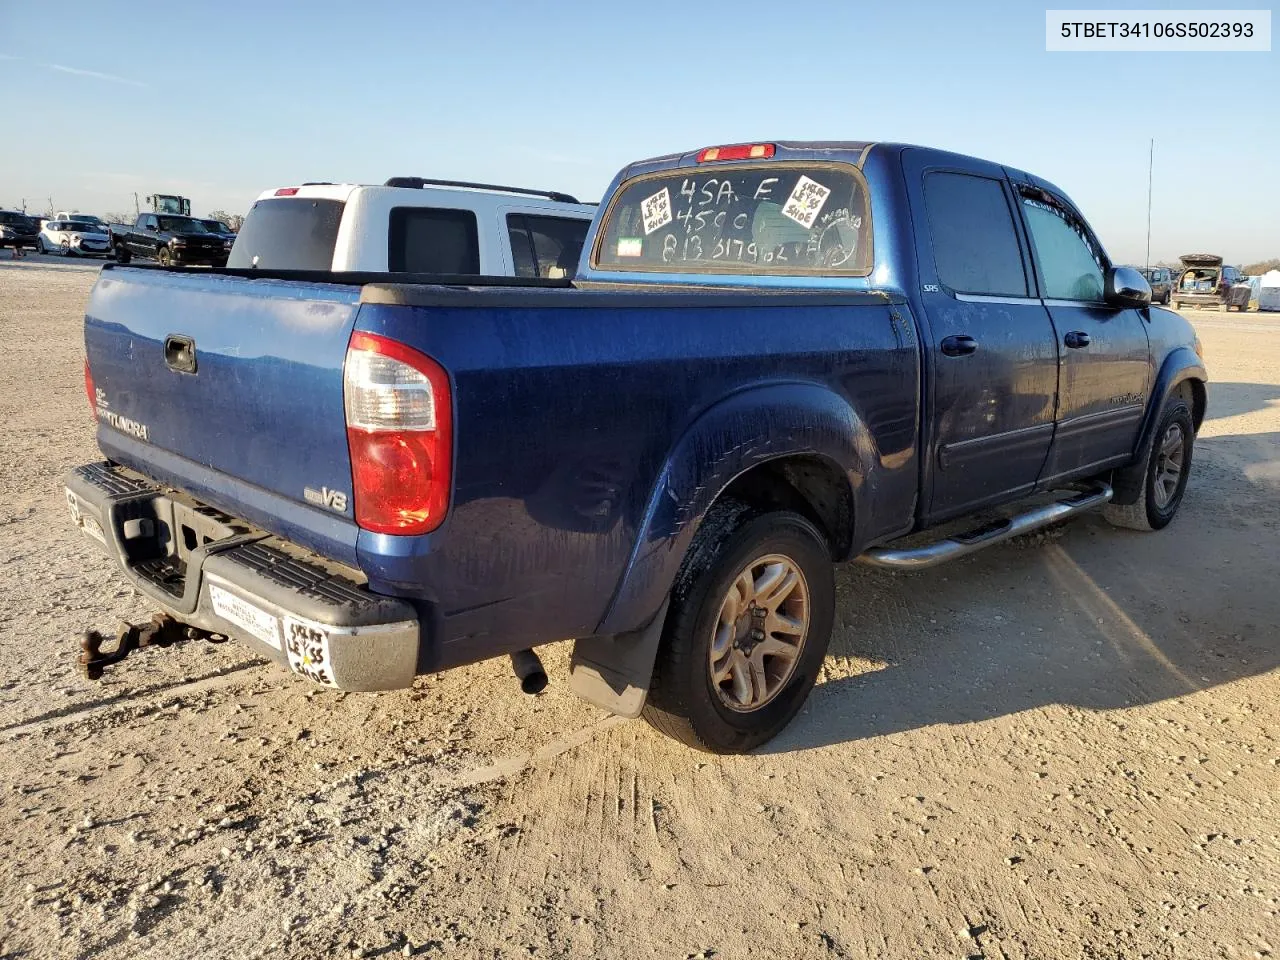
[142,239]
[1106,359]
[993,353]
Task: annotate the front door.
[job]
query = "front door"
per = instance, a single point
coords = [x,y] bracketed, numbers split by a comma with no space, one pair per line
[992,351]
[1106,359]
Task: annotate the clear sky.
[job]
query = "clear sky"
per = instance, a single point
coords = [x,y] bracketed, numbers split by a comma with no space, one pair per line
[218,101]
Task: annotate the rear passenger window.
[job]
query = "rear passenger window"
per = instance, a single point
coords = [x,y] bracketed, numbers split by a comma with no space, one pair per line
[426,240]
[974,245]
[546,246]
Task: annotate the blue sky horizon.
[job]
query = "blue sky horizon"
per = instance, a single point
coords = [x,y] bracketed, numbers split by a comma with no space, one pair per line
[220,105]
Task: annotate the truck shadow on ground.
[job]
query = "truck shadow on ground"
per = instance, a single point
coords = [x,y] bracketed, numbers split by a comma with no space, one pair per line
[1086,616]
[1233,399]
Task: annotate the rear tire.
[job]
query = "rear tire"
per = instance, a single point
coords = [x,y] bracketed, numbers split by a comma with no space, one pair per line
[750,581]
[122,254]
[1160,474]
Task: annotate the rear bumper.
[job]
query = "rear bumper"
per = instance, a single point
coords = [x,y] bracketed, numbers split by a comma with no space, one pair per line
[214,572]
[1199,299]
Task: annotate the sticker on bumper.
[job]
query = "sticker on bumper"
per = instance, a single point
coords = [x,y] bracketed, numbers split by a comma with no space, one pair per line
[87,524]
[252,619]
[307,645]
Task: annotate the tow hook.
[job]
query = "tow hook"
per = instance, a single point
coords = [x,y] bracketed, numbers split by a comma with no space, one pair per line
[161,631]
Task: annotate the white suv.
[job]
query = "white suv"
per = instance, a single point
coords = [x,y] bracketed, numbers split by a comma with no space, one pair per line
[413,225]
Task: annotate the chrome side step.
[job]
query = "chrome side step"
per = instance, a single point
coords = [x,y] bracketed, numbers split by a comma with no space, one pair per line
[930,555]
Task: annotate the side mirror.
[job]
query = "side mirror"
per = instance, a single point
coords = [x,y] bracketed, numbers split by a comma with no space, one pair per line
[1126,287]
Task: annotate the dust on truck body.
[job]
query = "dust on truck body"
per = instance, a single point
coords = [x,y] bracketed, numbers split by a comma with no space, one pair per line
[774,357]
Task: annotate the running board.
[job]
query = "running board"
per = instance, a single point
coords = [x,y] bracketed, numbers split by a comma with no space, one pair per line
[930,555]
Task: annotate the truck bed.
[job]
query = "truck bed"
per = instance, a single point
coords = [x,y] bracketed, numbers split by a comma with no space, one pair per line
[570,406]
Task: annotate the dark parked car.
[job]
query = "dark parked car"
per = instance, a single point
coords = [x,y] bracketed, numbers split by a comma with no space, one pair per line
[1161,281]
[219,229]
[17,229]
[773,356]
[1207,283]
[170,240]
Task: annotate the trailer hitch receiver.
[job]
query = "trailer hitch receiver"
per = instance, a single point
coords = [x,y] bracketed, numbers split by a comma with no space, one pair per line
[161,630]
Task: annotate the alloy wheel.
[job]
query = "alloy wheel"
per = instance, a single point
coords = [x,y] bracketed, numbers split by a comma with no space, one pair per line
[760,632]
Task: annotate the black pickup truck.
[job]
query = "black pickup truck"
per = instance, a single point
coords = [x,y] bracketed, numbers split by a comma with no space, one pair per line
[169,240]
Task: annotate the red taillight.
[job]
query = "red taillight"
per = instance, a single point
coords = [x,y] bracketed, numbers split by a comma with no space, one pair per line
[286,191]
[741,151]
[89,390]
[400,435]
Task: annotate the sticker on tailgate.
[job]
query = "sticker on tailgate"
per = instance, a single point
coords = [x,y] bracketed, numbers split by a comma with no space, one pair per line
[253,619]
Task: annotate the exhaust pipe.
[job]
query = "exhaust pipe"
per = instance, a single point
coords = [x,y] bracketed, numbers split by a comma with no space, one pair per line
[528,670]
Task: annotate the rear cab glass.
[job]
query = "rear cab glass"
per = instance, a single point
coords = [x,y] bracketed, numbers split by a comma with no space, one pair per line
[787,218]
[288,233]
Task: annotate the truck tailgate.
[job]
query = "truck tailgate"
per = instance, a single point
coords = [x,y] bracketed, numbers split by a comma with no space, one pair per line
[256,425]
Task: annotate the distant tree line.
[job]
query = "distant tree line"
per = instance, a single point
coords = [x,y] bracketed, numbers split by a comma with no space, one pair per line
[233,220]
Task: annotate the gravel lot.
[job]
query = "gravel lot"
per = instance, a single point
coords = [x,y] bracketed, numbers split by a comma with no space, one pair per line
[1063,747]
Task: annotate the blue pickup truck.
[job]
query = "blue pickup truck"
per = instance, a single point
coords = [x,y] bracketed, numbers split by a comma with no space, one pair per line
[774,356]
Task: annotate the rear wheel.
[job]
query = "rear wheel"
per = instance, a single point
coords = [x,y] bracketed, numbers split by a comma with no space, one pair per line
[748,626]
[1160,474]
[122,253]
[40,245]
[165,257]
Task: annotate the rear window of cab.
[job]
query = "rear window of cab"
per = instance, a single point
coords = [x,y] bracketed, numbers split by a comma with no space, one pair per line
[785,219]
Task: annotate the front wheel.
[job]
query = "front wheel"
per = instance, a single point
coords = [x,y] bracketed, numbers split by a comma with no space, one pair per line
[748,626]
[1160,474]
[66,248]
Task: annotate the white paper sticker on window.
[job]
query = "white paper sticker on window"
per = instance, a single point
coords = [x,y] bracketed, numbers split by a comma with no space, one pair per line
[805,202]
[630,247]
[656,211]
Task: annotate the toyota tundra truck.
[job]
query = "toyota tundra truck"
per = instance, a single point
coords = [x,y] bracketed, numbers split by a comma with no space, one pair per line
[774,357]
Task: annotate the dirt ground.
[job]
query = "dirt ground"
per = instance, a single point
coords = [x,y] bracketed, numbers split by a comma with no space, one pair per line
[1067,746]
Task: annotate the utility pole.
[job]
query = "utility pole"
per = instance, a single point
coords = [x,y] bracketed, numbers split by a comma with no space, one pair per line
[1151,158]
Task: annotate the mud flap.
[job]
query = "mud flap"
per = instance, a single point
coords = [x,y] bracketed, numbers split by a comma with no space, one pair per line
[614,672]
